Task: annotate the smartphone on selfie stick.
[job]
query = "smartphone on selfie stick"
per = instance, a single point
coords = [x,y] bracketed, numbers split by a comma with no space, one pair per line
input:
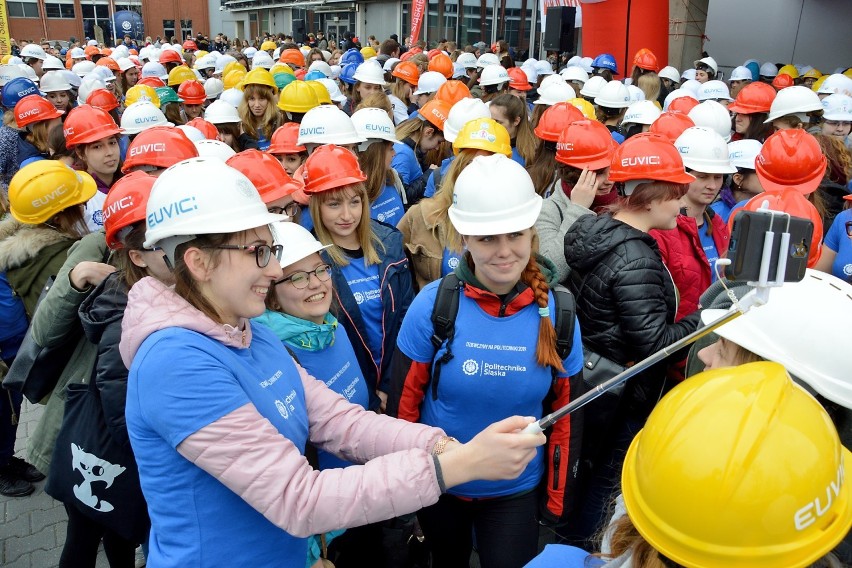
[763,243]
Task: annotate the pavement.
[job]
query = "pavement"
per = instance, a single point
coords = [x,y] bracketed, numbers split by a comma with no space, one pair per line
[32,529]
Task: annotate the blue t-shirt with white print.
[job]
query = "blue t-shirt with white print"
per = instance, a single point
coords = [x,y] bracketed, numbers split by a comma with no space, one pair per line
[387,207]
[365,284]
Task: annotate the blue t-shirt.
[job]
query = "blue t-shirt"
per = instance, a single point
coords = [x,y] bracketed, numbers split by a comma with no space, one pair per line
[516,156]
[449,261]
[181,381]
[305,219]
[365,284]
[564,556]
[838,241]
[492,375]
[405,163]
[722,209]
[430,182]
[387,207]
[337,367]
[14,318]
[710,251]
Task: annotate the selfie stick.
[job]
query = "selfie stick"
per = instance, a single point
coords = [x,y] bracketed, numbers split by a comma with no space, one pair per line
[756,297]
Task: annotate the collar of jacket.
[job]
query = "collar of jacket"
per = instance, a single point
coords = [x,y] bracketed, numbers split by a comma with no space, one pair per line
[20,242]
[300,333]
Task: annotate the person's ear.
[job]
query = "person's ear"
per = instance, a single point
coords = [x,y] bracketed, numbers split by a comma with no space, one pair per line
[199,263]
[136,258]
[738,178]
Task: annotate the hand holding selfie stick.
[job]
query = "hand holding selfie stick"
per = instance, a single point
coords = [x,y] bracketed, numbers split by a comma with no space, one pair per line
[756,297]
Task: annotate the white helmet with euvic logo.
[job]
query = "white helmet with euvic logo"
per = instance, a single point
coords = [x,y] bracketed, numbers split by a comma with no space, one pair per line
[33,50]
[201,196]
[475,211]
[327,124]
[704,151]
[641,112]
[743,153]
[373,124]
[714,90]
[142,115]
[494,75]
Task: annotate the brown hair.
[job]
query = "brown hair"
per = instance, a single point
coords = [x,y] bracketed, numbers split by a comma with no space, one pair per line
[233,129]
[266,124]
[756,129]
[132,241]
[56,143]
[368,240]
[535,117]
[172,112]
[542,168]
[624,537]
[790,121]
[401,88]
[525,140]
[372,161]
[838,156]
[646,193]
[444,198]
[376,100]
[39,134]
[70,221]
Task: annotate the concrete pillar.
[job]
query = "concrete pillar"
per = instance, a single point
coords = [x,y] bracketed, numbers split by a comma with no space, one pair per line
[687,23]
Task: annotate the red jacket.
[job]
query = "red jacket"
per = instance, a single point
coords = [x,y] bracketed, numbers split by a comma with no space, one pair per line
[684,257]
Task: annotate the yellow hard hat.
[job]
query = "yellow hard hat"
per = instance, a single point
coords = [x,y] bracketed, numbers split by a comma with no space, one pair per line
[44,188]
[739,467]
[320,91]
[201,53]
[848,73]
[260,76]
[818,83]
[234,79]
[231,66]
[789,70]
[281,68]
[484,134]
[812,74]
[180,74]
[5,60]
[587,108]
[267,45]
[298,96]
[368,52]
[138,93]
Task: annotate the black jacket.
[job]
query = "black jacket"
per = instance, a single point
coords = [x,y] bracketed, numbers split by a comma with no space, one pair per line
[626,299]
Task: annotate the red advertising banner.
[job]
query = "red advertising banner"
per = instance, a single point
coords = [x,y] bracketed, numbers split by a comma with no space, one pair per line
[418,9]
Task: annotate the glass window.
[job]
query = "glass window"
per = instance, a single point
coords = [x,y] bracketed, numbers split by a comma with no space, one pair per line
[185,29]
[59,10]
[23,9]
[168,29]
[405,26]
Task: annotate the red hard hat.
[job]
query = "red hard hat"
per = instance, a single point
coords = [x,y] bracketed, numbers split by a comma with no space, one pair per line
[34,108]
[452,92]
[683,104]
[782,81]
[671,124]
[791,158]
[645,59]
[585,144]
[192,93]
[441,63]
[266,173]
[436,112]
[648,156]
[125,205]
[518,80]
[102,99]
[407,71]
[432,53]
[189,44]
[293,57]
[754,97]
[170,56]
[109,63]
[153,82]
[86,124]
[331,167]
[555,119]
[160,147]
[284,140]
[208,129]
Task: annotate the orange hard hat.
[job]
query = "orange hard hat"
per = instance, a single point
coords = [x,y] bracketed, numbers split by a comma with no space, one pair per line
[407,71]
[754,97]
[109,63]
[683,104]
[518,80]
[265,173]
[208,129]
[782,81]
[452,92]
[293,57]
[791,158]
[671,124]
[555,119]
[153,82]
[102,99]
[645,59]
[106,52]
[192,93]
[160,147]
[432,53]
[86,124]
[285,140]
[331,167]
[170,56]
[436,112]
[125,205]
[648,156]
[34,108]
[91,50]
[441,63]
[585,144]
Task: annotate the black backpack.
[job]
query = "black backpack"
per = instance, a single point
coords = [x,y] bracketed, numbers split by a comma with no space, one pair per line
[447,307]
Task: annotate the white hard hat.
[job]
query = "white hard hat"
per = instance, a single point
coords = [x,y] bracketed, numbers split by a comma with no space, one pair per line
[593,86]
[743,153]
[33,50]
[249,52]
[636,94]
[333,90]
[30,73]
[82,68]
[836,83]
[206,62]
[817,309]
[153,69]
[796,100]
[52,63]
[298,242]
[261,59]
[9,72]
[709,62]
[586,64]
[554,92]
[768,70]
[574,61]
[214,149]
[714,90]
[87,85]
[154,54]
[836,107]
[207,184]
[388,65]
[467,59]
[71,77]
[371,72]
[493,75]
[676,94]
[213,87]
[714,116]
[142,115]
[463,111]
[641,112]
[327,124]
[222,62]
[692,86]
[687,75]
[232,96]
[53,81]
[92,42]
[670,73]
[192,132]
[220,112]
[78,53]
[459,71]
[120,52]
[322,67]
[544,67]
[335,71]
[487,59]
[105,74]
[373,124]
[553,79]
[475,211]
[429,82]
[124,64]
[740,74]
[703,150]
[614,94]
[531,73]
[574,73]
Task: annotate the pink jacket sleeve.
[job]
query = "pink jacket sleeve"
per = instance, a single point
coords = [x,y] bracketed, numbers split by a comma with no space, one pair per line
[248,455]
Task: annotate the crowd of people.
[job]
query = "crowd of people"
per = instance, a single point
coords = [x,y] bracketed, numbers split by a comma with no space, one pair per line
[296,305]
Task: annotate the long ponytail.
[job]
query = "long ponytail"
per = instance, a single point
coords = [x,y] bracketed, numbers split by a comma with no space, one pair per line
[545,351]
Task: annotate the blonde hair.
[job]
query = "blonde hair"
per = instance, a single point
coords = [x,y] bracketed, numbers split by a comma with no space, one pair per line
[401,89]
[525,140]
[370,243]
[39,134]
[444,198]
[372,162]
[267,123]
[650,84]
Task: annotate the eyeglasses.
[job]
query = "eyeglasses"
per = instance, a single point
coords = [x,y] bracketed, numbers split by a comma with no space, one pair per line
[262,253]
[300,279]
[838,123]
[291,209]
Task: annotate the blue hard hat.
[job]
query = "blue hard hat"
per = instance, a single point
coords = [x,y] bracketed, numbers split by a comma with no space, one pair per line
[347,73]
[754,67]
[351,56]
[605,61]
[283,79]
[314,75]
[16,89]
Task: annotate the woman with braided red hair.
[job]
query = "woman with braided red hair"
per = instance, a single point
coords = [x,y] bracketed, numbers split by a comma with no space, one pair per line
[500,359]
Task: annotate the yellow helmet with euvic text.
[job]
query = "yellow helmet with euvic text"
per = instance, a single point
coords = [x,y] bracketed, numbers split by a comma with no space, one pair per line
[44,188]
